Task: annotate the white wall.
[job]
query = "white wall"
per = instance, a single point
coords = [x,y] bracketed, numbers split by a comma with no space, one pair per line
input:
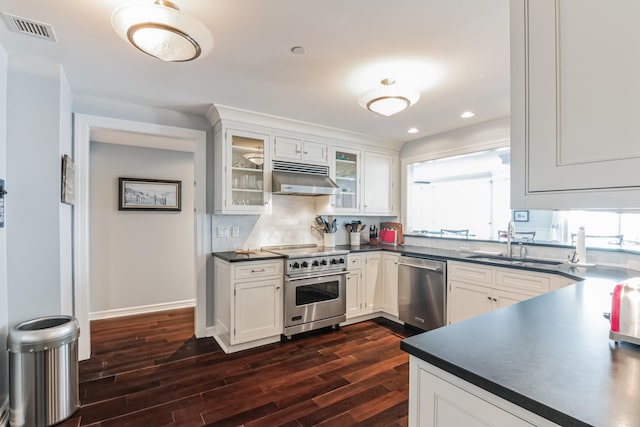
[139,258]
[38,99]
[470,136]
[4,307]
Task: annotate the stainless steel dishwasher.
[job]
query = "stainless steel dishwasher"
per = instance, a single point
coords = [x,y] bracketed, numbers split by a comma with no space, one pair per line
[422,292]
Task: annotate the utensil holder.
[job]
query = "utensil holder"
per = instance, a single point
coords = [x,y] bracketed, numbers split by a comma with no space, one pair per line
[329,240]
[354,239]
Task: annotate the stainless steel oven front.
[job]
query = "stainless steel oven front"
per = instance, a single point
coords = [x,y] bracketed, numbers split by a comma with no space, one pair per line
[313,302]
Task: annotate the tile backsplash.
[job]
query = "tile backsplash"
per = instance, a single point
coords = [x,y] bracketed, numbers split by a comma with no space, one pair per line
[290,222]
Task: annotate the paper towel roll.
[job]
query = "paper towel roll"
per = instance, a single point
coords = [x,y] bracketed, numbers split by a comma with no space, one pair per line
[581,248]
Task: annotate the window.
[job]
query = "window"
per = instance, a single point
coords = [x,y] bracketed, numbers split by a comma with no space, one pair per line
[467,192]
[467,196]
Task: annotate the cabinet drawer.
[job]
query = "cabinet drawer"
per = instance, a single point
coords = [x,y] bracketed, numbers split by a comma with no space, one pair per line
[354,262]
[258,269]
[510,279]
[472,273]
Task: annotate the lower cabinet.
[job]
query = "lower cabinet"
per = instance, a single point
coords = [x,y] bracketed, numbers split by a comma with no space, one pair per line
[248,298]
[389,283]
[362,280]
[476,289]
[439,399]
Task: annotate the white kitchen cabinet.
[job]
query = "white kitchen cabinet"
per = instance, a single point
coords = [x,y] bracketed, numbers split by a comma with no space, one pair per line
[248,298]
[370,279]
[367,181]
[389,283]
[476,289]
[242,174]
[354,293]
[439,399]
[346,173]
[378,182]
[298,149]
[574,104]
[362,284]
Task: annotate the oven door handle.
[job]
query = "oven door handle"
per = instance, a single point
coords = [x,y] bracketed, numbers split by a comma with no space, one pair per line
[296,279]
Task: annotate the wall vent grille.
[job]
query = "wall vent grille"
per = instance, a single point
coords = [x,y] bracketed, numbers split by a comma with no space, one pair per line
[280,166]
[30,27]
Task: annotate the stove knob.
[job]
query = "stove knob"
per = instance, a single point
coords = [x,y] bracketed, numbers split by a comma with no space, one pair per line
[305,264]
[334,261]
[323,262]
[295,265]
[315,263]
[342,261]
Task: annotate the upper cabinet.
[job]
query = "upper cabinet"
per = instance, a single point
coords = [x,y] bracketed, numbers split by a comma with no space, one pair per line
[378,179]
[300,150]
[243,178]
[367,181]
[346,173]
[574,104]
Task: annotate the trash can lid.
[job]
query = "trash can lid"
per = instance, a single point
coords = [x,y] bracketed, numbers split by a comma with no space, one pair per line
[42,333]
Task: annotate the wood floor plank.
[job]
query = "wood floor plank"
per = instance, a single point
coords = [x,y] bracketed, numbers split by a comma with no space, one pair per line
[149,370]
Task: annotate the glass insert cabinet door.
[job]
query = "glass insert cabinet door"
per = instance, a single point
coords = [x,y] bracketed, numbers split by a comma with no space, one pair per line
[347,170]
[248,183]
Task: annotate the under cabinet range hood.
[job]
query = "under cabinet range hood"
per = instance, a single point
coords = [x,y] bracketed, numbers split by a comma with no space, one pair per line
[299,179]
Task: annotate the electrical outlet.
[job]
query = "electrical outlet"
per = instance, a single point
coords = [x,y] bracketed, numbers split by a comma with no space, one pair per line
[235,231]
[223,231]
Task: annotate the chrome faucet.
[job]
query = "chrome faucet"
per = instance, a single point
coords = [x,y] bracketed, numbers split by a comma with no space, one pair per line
[511,232]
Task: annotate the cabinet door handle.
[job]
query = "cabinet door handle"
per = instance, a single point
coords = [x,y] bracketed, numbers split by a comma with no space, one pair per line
[495,299]
[306,152]
[489,298]
[262,270]
[277,288]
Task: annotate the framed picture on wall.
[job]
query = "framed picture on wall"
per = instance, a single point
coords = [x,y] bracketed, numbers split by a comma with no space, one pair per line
[138,194]
[521,216]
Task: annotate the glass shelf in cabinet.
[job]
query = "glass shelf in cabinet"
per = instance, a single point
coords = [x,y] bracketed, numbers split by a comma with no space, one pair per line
[235,168]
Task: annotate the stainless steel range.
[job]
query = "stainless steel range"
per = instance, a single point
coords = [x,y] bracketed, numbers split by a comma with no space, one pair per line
[314,287]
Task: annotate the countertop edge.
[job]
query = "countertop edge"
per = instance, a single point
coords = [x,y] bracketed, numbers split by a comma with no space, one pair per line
[505,393]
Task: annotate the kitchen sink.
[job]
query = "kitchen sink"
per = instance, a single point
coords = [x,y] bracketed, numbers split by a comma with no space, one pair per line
[512,260]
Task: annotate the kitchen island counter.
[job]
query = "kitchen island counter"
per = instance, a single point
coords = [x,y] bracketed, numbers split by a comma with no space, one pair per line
[550,355]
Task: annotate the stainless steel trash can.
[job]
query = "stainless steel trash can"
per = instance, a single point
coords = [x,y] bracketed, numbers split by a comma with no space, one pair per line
[43,371]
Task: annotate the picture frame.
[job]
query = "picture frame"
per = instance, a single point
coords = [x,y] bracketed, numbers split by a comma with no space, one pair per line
[140,194]
[68,183]
[521,216]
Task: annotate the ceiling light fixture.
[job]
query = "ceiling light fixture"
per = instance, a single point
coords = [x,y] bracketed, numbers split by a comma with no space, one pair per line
[255,158]
[388,99]
[163,31]
[413,130]
[467,114]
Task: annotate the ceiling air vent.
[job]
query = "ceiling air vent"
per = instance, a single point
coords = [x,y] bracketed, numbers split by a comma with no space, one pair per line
[29,27]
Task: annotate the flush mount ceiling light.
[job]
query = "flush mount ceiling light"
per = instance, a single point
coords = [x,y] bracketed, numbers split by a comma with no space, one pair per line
[163,31]
[388,99]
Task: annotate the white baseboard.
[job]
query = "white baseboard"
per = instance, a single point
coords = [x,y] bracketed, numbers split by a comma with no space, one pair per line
[117,312]
[4,413]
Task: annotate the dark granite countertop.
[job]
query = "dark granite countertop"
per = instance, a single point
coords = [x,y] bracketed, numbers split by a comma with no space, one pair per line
[232,256]
[550,355]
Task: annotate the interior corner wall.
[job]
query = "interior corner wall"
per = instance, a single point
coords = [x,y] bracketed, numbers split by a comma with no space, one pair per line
[139,258]
[65,210]
[4,296]
[33,182]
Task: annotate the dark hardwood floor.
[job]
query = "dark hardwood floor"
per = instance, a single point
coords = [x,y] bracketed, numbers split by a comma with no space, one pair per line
[149,370]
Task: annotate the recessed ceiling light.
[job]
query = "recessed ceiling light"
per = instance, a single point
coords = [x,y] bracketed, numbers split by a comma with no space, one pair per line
[298,50]
[467,114]
[413,130]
